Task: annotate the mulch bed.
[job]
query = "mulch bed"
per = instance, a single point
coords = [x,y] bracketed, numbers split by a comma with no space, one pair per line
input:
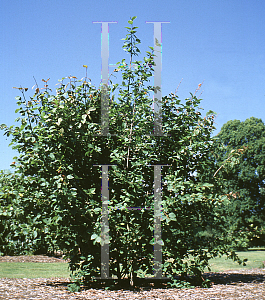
[33,258]
[243,284]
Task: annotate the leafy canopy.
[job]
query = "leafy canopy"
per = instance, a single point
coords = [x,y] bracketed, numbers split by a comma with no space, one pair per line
[242,143]
[60,142]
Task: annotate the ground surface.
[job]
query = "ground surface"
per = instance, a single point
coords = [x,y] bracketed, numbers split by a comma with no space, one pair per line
[32,258]
[247,284]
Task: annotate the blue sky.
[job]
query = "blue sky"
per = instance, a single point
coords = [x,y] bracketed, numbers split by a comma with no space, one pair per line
[219,43]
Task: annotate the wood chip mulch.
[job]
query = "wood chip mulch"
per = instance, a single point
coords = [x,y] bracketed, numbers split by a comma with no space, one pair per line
[32,258]
[245,285]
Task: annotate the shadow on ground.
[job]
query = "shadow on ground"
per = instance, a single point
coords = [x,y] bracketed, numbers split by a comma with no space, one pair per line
[144,284]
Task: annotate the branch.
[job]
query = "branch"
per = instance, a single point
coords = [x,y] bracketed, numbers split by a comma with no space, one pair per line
[130,136]
[241,150]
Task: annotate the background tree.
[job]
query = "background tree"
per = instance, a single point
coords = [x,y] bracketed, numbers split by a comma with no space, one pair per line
[60,141]
[244,181]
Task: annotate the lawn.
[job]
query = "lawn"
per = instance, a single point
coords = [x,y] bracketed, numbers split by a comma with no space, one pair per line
[33,270]
[256,259]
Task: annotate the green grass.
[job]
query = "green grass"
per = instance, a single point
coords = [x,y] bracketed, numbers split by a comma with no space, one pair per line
[257,249]
[255,258]
[33,270]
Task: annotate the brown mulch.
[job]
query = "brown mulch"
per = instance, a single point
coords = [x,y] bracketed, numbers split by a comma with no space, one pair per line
[243,284]
[32,258]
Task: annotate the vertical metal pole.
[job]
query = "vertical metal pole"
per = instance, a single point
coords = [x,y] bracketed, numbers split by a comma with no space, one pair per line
[157,223]
[105,223]
[158,265]
[104,77]
[157,132]
[157,78]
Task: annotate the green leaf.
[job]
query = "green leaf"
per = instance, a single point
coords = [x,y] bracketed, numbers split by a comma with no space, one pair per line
[172,216]
[52,156]
[210,112]
[94,236]
[97,210]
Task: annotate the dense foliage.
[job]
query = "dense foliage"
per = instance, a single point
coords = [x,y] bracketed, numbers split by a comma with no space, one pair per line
[243,180]
[58,185]
[26,225]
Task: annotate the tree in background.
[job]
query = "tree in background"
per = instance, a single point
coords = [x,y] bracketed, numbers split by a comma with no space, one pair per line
[60,142]
[243,179]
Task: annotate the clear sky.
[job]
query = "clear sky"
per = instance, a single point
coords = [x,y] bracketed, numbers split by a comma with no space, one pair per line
[218,42]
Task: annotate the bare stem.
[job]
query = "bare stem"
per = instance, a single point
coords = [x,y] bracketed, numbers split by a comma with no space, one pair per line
[222,165]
